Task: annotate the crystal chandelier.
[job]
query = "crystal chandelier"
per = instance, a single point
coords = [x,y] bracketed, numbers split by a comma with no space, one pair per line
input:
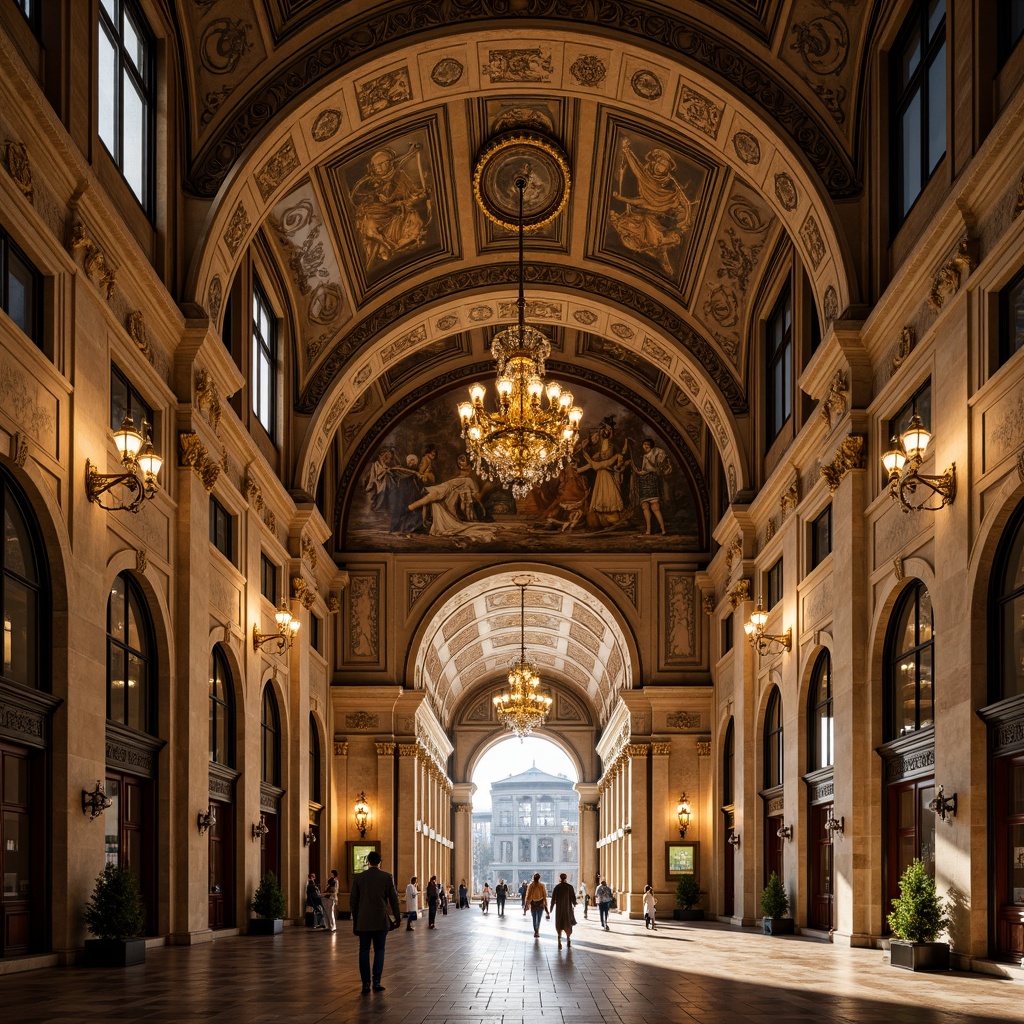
[525,441]
[522,708]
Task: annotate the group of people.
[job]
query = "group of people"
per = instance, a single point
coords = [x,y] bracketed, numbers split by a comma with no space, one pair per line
[375,908]
[323,905]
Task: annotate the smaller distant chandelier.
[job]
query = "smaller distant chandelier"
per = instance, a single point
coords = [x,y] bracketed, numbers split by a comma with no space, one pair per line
[525,441]
[522,707]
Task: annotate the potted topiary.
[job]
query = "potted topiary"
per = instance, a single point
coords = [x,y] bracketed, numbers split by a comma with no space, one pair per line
[688,895]
[917,918]
[269,906]
[115,915]
[774,903]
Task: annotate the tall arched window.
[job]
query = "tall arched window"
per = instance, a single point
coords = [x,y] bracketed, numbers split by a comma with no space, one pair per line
[129,655]
[270,730]
[314,762]
[819,714]
[1009,605]
[728,766]
[21,596]
[910,704]
[222,712]
[773,741]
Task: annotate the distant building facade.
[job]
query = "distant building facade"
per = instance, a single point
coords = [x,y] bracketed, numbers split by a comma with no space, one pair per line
[534,826]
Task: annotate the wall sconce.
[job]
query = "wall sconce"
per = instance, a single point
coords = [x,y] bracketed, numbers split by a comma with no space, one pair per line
[259,830]
[96,802]
[901,462]
[308,838]
[287,627]
[206,820]
[762,642]
[141,466]
[683,814]
[362,814]
[627,830]
[833,826]
[785,832]
[944,806]
[734,839]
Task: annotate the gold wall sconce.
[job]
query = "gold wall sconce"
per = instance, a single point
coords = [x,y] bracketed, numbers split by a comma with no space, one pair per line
[96,802]
[287,628]
[683,815]
[141,466]
[260,829]
[762,642]
[902,461]
[362,814]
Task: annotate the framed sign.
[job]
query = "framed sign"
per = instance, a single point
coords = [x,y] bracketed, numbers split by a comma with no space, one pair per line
[682,859]
[357,852]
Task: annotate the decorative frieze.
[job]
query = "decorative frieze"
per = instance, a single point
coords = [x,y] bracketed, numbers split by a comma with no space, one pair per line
[951,274]
[739,593]
[21,722]
[684,720]
[789,499]
[834,404]
[362,720]
[309,552]
[1009,735]
[901,767]
[904,346]
[94,260]
[192,452]
[141,561]
[849,455]
[820,792]
[775,805]
[207,396]
[18,167]
[135,325]
[254,495]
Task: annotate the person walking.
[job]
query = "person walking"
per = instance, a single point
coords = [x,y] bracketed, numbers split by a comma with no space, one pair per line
[522,895]
[463,894]
[330,901]
[411,903]
[432,900]
[584,897]
[485,897]
[649,904]
[537,899]
[500,895]
[604,896]
[375,911]
[563,899]
[442,892]
[315,900]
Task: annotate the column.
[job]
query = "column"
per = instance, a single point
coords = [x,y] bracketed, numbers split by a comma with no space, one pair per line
[385,810]
[589,832]
[406,852]
[637,842]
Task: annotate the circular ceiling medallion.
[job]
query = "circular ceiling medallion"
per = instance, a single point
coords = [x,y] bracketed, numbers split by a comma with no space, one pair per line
[512,156]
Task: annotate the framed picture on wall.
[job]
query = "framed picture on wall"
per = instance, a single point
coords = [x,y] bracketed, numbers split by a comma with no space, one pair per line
[682,859]
[358,850]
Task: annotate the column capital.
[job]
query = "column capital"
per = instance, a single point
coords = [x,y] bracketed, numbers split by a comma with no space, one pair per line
[408,749]
[661,748]
[638,749]
[340,748]
[385,749]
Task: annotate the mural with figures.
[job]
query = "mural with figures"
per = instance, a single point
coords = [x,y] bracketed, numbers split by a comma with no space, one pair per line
[625,489]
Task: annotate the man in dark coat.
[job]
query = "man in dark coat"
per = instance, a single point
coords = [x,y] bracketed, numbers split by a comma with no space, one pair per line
[375,911]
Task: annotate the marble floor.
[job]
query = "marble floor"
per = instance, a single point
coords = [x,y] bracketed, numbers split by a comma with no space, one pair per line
[477,969]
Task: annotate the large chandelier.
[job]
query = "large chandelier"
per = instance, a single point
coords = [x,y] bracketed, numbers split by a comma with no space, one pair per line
[522,707]
[526,440]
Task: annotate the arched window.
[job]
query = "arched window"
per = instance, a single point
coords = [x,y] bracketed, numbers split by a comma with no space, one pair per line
[314,762]
[270,728]
[773,741]
[222,712]
[819,714]
[910,704]
[728,766]
[22,595]
[1009,609]
[129,656]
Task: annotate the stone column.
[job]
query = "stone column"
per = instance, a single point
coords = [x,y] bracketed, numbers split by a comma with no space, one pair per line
[462,807]
[340,817]
[384,812]
[638,843]
[589,832]
[406,852]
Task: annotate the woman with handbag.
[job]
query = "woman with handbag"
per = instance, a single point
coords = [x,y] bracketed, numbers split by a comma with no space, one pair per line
[537,901]
[605,898]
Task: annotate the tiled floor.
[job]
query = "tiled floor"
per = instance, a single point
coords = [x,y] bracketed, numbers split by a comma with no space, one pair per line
[474,968]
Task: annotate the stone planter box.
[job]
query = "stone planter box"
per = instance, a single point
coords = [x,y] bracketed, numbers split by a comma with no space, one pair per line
[114,952]
[266,926]
[777,925]
[919,956]
[687,915]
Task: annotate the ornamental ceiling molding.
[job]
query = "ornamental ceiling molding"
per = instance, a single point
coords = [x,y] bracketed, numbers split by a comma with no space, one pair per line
[382,426]
[355,42]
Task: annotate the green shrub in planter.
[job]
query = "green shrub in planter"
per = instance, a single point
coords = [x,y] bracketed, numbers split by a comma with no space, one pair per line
[268,901]
[688,892]
[918,915]
[115,912]
[775,903]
